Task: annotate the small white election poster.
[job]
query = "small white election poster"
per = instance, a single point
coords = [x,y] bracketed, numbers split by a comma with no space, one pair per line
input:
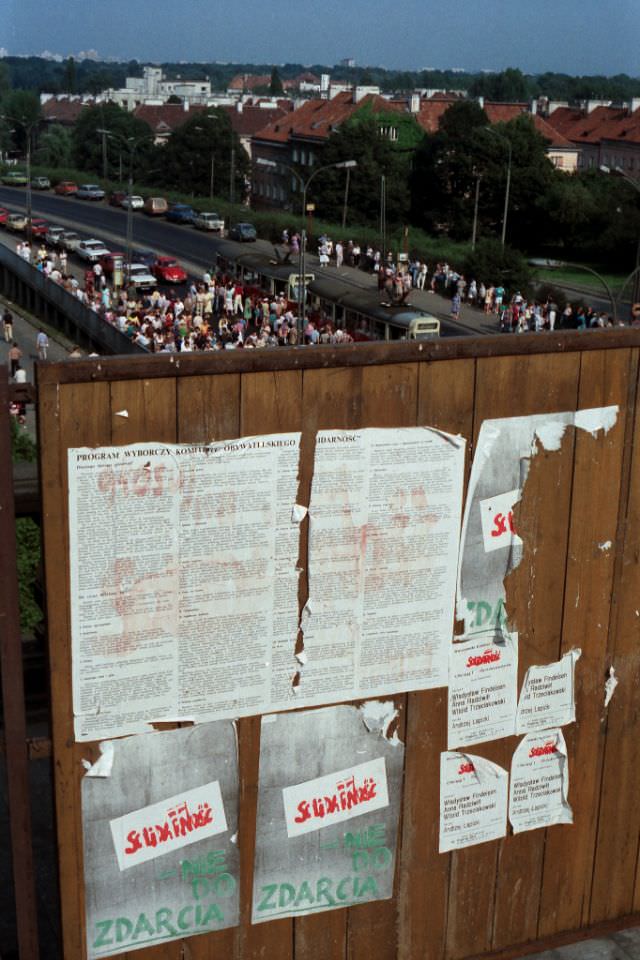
[483,688]
[473,801]
[547,698]
[539,788]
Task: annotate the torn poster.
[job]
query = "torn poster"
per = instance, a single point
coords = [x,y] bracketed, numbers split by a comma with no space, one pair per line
[539,788]
[498,475]
[329,799]
[483,688]
[183,581]
[383,545]
[159,858]
[473,801]
[547,698]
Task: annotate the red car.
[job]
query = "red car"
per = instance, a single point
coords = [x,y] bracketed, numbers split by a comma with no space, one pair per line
[106,261]
[169,270]
[116,198]
[39,227]
[65,188]
[3,216]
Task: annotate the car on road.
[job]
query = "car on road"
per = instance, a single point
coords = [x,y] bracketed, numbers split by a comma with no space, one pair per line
[106,260]
[40,183]
[147,257]
[244,232]
[115,199]
[155,206]
[65,188]
[53,235]
[39,227]
[15,178]
[209,221]
[4,213]
[90,191]
[69,240]
[133,201]
[140,277]
[91,250]
[16,222]
[180,213]
[169,270]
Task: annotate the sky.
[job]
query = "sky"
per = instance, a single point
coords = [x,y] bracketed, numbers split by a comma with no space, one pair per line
[566,36]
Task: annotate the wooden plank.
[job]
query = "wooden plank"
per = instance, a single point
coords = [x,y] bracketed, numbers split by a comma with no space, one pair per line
[150,408]
[569,851]
[615,889]
[209,408]
[389,399]
[74,415]
[483,876]
[347,355]
[445,401]
[270,403]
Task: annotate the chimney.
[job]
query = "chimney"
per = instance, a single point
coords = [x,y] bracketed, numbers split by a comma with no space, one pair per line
[239,106]
[534,107]
[185,105]
[414,103]
[481,102]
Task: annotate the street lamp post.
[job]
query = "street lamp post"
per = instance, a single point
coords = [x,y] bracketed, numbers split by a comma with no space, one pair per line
[302,286]
[132,144]
[507,188]
[619,172]
[475,212]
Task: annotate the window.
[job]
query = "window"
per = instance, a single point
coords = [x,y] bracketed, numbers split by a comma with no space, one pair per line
[303,157]
[630,163]
[389,133]
[295,155]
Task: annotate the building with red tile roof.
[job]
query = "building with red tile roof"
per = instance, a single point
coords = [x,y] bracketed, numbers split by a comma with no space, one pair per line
[64,110]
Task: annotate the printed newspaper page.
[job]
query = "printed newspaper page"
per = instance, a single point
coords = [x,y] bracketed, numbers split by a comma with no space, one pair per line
[183,581]
[383,546]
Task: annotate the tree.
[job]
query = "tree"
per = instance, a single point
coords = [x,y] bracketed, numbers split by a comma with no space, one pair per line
[490,262]
[204,141]
[275,87]
[55,148]
[360,139]
[509,86]
[125,132]
[22,113]
[70,76]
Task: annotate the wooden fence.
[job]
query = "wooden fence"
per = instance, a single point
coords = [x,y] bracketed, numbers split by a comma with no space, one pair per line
[505,896]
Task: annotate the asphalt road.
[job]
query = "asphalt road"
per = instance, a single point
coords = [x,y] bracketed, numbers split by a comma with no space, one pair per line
[196,250]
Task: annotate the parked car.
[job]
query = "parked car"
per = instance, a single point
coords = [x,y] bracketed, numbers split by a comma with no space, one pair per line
[90,191]
[39,227]
[140,277]
[155,206]
[180,213]
[209,221]
[106,260]
[40,183]
[91,250]
[69,240]
[244,232]
[147,257]
[136,203]
[16,222]
[65,188]
[115,198]
[169,270]
[53,235]
[4,213]
[15,178]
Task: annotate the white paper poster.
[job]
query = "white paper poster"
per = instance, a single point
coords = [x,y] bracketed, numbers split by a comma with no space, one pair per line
[498,475]
[483,688]
[547,698]
[329,799]
[383,546]
[183,581]
[539,788]
[160,861]
[473,801]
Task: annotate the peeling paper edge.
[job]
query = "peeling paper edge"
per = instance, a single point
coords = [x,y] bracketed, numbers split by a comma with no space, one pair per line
[605,546]
[122,413]
[298,513]
[610,686]
[377,716]
[455,439]
[104,764]
[483,768]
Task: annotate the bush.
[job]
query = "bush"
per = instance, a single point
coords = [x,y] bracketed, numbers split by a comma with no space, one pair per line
[492,263]
[28,560]
[22,446]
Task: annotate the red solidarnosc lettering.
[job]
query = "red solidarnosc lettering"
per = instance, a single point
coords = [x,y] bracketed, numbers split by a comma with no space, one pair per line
[349,794]
[134,842]
[489,656]
[467,767]
[303,812]
[500,524]
[549,747]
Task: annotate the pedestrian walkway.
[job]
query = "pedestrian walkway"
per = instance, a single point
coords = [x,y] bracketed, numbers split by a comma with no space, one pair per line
[624,945]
